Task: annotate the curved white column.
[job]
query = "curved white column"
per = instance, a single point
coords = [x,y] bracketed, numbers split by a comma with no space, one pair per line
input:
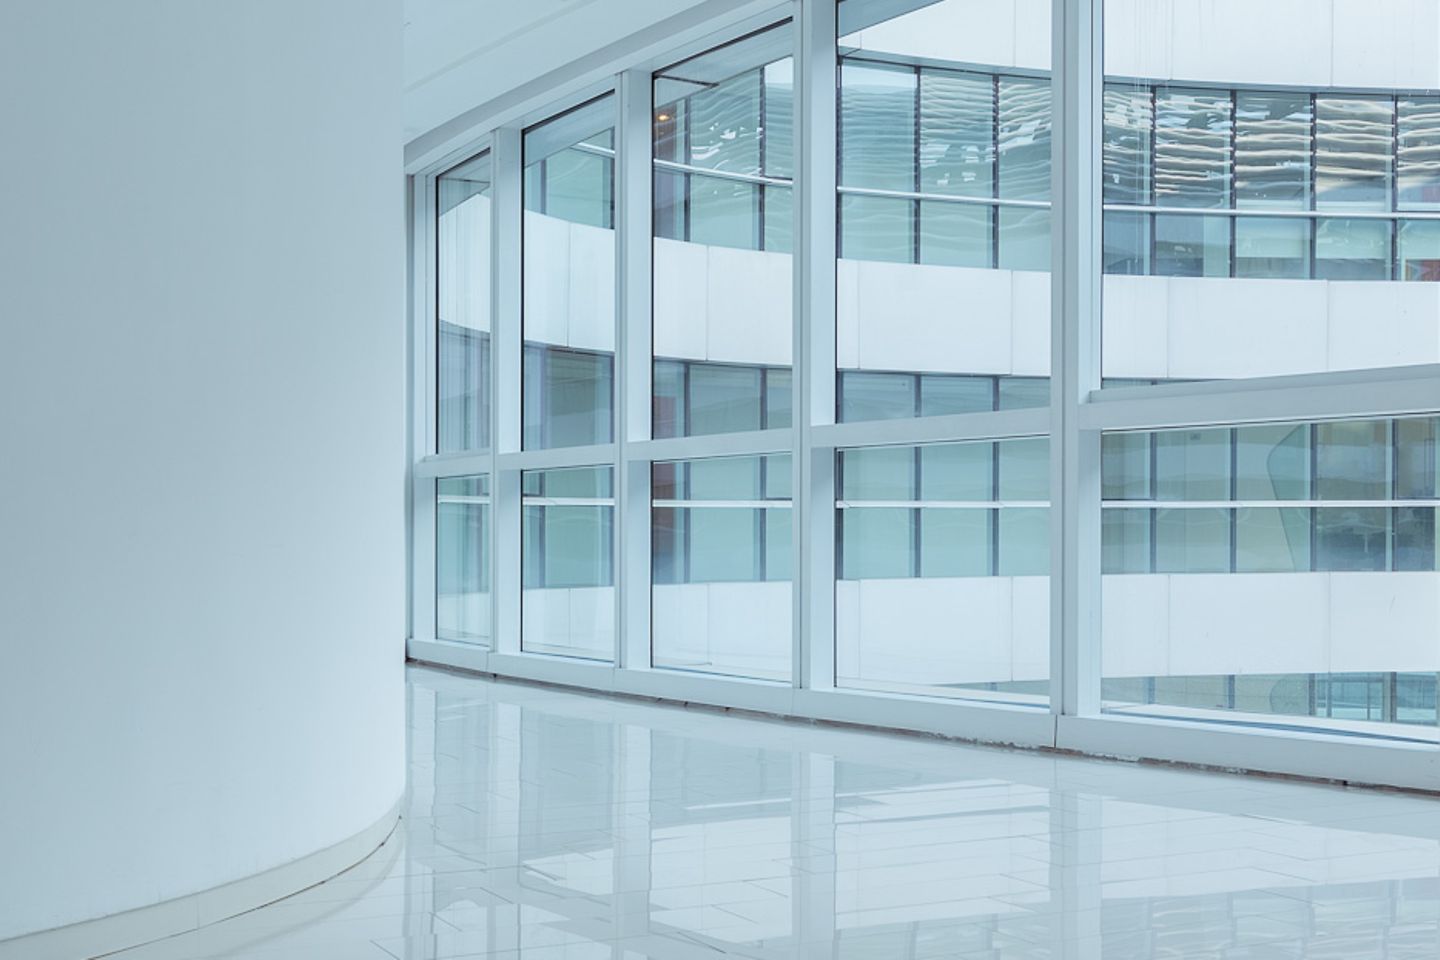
[201,451]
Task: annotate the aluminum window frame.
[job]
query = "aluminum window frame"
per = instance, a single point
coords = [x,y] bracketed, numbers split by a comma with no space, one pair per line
[1079,412]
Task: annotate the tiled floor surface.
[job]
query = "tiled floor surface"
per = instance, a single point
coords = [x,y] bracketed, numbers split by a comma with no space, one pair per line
[547,825]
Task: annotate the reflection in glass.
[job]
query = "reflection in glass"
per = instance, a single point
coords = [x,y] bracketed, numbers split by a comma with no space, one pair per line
[721,560]
[567,562]
[462,277]
[943,174]
[723,171]
[1239,563]
[462,559]
[942,569]
[569,278]
[1354,158]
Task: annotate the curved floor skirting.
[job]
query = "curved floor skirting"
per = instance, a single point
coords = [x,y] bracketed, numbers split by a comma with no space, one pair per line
[120,931]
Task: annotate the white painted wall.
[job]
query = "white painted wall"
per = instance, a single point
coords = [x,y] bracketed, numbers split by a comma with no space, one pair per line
[201,417]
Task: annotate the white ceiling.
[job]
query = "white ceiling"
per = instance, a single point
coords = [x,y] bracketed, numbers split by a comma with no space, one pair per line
[461,53]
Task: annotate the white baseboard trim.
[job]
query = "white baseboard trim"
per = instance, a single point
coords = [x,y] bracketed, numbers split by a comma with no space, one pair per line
[132,928]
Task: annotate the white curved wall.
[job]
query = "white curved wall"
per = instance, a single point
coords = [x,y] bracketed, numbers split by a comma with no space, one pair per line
[201,417]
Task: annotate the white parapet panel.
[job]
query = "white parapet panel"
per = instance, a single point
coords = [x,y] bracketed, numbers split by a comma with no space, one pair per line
[578,621]
[942,630]
[464,264]
[1194,327]
[749,304]
[1270,623]
[738,628]
[1230,328]
[1383,324]
[569,289]
[722,304]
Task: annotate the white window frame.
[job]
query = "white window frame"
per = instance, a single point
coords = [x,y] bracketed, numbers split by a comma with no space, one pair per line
[1078,414]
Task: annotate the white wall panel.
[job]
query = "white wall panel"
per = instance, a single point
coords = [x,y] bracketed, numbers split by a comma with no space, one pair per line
[575,620]
[590,307]
[1387,621]
[1136,335]
[749,306]
[464,297]
[547,279]
[1381,324]
[1135,615]
[1246,623]
[1281,324]
[681,299]
[1029,323]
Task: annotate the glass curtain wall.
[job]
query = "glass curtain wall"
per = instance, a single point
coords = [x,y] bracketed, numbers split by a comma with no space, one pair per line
[723,157]
[943,169]
[942,307]
[1263,555]
[1280,573]
[1283,569]
[721,555]
[569,278]
[462,559]
[567,559]
[462,309]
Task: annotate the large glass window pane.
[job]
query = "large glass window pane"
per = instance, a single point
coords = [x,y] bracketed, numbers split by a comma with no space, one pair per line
[1417,133]
[1272,462]
[876,396]
[1352,460]
[1192,465]
[957,133]
[569,277]
[955,234]
[1129,127]
[1352,249]
[1279,549]
[1272,150]
[1125,541]
[1271,247]
[462,289]
[1127,243]
[943,174]
[1194,540]
[462,559]
[1354,152]
[721,602]
[877,125]
[567,562]
[1191,246]
[1419,254]
[1192,148]
[1351,538]
[876,228]
[1272,539]
[722,156]
[942,567]
[1125,466]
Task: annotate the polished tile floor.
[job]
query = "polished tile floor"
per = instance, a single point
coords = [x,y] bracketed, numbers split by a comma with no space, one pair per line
[545,825]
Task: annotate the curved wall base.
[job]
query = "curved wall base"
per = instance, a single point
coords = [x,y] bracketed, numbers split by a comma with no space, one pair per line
[120,931]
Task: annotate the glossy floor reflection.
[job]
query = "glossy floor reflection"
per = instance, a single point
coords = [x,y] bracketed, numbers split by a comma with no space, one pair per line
[547,825]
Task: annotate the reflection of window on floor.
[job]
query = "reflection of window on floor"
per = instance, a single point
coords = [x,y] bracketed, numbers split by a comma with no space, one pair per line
[1408,698]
